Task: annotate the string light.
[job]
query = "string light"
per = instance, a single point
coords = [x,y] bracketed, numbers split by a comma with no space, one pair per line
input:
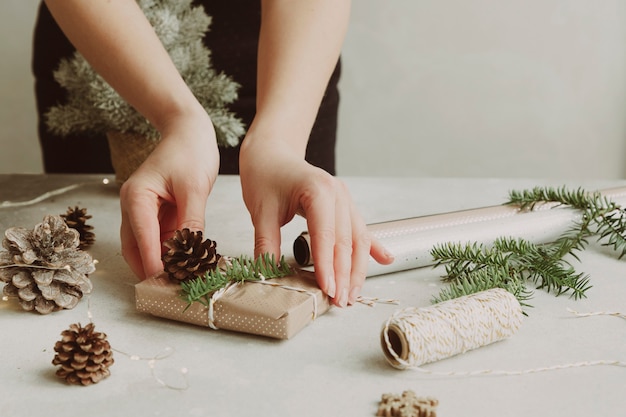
[49,194]
[181,384]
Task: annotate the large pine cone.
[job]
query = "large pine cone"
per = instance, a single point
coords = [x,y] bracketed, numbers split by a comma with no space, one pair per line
[83,354]
[188,255]
[76,218]
[44,267]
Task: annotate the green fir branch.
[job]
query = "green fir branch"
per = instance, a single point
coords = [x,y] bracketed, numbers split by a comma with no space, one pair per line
[242,269]
[512,263]
[484,279]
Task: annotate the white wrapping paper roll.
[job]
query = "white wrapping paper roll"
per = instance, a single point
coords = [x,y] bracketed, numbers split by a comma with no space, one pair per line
[411,240]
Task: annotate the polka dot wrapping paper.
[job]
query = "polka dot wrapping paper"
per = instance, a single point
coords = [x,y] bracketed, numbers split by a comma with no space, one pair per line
[411,240]
[277,308]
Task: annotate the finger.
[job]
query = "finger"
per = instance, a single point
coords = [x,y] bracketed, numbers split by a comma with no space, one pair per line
[380,253]
[130,250]
[342,252]
[141,244]
[320,215]
[361,244]
[266,232]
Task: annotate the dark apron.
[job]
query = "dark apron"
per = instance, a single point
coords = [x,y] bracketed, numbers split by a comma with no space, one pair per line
[233,41]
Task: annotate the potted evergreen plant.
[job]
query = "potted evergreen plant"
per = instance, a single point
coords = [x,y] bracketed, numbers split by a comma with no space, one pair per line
[94,106]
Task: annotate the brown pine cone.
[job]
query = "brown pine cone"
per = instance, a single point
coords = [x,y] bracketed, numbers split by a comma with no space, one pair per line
[43,267]
[83,354]
[188,256]
[76,218]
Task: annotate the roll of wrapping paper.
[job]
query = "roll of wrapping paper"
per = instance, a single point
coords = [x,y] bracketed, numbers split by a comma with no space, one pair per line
[411,240]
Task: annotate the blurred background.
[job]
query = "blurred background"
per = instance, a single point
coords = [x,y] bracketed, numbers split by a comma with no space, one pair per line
[434,88]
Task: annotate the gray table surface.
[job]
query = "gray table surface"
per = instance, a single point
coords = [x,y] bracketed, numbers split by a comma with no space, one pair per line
[333,367]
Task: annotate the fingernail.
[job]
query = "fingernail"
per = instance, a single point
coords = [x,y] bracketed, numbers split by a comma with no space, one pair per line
[354,294]
[330,286]
[342,301]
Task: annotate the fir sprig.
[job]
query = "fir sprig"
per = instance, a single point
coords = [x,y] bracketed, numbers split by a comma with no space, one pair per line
[511,263]
[483,279]
[601,217]
[240,269]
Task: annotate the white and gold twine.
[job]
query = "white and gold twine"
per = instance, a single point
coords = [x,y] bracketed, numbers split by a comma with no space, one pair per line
[413,337]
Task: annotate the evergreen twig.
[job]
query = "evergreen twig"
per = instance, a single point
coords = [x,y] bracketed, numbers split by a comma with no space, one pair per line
[240,269]
[510,263]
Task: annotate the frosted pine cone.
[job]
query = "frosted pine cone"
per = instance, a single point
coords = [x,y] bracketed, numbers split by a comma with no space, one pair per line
[76,218]
[188,255]
[83,354]
[44,267]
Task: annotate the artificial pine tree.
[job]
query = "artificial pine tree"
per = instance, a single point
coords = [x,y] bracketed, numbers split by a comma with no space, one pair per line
[93,106]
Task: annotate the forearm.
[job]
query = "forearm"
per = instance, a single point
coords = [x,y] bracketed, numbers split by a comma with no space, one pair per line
[118,41]
[299,45]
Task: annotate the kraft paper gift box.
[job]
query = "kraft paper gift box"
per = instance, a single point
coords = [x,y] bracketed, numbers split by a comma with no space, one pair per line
[277,308]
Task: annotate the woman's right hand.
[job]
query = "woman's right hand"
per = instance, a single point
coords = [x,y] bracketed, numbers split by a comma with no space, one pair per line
[168,192]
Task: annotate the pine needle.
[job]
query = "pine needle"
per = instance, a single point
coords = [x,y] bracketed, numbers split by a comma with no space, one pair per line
[513,263]
[242,269]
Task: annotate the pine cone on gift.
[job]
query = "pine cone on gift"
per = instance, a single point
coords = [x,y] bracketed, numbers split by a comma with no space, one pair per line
[188,256]
[76,218]
[44,268]
[83,354]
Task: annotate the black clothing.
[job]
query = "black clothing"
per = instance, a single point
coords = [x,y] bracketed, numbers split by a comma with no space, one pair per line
[232,40]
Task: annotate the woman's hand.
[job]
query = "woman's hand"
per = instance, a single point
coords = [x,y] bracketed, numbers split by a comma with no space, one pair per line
[170,189]
[168,192]
[277,184]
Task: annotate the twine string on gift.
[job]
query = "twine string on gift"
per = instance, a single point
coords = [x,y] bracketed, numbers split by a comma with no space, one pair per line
[222,291]
[413,337]
[214,297]
[47,195]
[300,290]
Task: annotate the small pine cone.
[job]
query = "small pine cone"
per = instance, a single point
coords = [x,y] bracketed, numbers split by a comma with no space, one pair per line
[44,268]
[76,218]
[188,256]
[83,354]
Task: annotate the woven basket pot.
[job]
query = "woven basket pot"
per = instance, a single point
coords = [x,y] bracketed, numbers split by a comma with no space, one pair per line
[128,151]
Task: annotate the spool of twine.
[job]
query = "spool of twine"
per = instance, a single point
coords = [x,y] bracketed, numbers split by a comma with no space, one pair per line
[128,151]
[416,336]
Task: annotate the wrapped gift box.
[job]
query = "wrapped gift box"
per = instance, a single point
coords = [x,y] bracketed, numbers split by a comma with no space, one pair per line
[277,308]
